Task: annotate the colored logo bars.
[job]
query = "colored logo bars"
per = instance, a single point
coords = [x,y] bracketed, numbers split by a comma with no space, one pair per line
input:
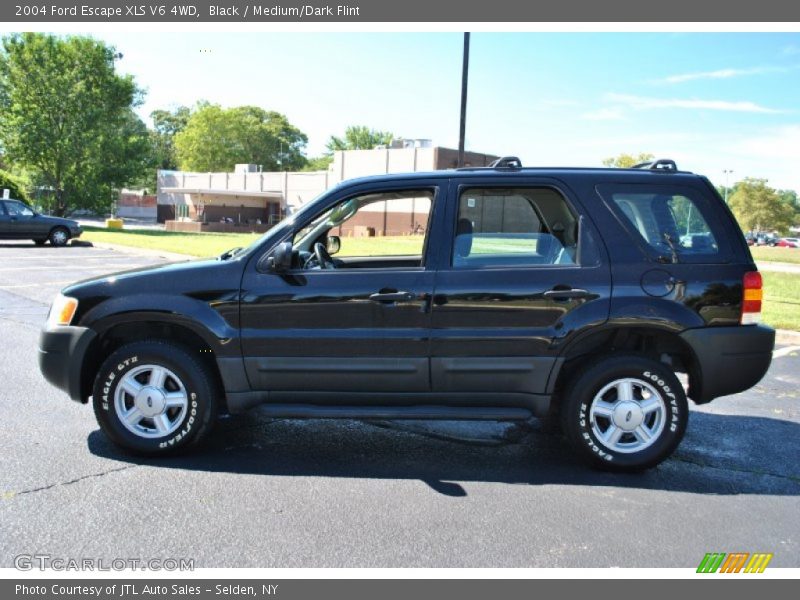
[719,562]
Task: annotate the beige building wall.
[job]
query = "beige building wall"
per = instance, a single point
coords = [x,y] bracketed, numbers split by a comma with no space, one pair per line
[297,188]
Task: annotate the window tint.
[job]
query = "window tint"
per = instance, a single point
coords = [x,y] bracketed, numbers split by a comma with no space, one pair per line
[514,227]
[667,222]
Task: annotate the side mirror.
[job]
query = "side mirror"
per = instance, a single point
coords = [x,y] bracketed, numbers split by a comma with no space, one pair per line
[281,258]
[334,244]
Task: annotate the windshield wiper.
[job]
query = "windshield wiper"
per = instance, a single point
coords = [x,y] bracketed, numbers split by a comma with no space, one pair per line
[672,248]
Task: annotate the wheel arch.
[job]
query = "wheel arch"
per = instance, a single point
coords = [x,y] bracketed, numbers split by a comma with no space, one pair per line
[118,332]
[661,344]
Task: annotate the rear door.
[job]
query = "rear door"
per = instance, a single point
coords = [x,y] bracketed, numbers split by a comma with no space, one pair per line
[522,271]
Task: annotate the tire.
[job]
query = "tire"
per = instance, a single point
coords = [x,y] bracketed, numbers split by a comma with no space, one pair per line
[637,402]
[59,236]
[39,242]
[176,398]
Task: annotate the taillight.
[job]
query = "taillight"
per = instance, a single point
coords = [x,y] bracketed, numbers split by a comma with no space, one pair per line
[752,294]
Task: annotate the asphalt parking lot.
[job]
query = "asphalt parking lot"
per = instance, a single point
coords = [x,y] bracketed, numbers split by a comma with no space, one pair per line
[285,493]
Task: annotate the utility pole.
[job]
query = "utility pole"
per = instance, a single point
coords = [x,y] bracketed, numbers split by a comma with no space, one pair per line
[464,74]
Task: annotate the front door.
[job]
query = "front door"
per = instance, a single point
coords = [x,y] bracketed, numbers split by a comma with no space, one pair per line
[522,273]
[356,322]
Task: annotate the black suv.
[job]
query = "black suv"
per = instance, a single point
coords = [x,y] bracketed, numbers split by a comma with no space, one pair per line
[490,293]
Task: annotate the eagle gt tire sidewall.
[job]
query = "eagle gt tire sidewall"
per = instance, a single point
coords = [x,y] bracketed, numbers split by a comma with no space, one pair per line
[198,390]
[577,422]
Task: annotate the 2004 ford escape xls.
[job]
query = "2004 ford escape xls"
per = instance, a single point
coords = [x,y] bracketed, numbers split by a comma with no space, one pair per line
[488,293]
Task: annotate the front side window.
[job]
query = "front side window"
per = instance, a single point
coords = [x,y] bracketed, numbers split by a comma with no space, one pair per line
[670,222]
[378,224]
[16,209]
[514,227]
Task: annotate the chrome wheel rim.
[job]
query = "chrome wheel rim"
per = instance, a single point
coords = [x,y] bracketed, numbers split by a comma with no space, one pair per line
[151,401]
[59,237]
[628,415]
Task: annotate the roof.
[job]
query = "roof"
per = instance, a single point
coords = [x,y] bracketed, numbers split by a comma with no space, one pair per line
[608,173]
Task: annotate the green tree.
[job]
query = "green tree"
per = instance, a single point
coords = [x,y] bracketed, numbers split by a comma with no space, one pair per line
[66,116]
[792,200]
[14,185]
[625,161]
[359,137]
[318,163]
[216,139]
[166,125]
[758,207]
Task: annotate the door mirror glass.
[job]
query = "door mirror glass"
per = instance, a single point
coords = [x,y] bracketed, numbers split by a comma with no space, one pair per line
[334,244]
[281,258]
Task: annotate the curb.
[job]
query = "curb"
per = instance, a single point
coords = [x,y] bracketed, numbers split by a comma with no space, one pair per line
[786,336]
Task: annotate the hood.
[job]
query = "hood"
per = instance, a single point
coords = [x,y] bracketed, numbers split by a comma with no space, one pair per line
[172,278]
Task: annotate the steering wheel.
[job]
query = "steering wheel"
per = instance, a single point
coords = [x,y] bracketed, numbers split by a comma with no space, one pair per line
[324,259]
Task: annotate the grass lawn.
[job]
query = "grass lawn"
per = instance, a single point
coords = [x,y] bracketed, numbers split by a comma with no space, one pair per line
[765,253]
[193,244]
[214,244]
[781,307]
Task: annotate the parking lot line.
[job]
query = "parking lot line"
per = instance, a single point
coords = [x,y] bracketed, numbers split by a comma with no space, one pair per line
[28,285]
[785,351]
[104,267]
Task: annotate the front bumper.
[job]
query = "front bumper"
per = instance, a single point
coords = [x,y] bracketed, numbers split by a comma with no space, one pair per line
[729,359]
[62,350]
[75,232]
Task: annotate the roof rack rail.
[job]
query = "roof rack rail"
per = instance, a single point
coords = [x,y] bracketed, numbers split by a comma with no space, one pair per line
[661,164]
[506,162]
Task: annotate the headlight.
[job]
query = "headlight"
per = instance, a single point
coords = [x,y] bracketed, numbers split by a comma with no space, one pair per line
[62,311]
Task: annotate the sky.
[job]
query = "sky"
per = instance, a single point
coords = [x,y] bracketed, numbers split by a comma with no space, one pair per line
[714,102]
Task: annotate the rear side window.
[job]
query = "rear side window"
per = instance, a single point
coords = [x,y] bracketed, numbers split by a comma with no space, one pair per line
[673,223]
[514,227]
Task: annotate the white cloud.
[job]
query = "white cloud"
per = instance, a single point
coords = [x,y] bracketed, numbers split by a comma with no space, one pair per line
[791,50]
[782,143]
[604,114]
[645,103]
[723,74]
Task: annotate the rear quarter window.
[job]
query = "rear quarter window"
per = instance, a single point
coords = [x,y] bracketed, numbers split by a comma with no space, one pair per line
[668,222]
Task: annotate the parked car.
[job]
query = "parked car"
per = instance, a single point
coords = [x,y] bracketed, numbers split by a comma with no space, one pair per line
[766,239]
[789,242]
[18,221]
[527,292]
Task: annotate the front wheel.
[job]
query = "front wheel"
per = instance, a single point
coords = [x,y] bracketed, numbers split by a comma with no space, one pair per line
[625,413]
[59,236]
[154,398]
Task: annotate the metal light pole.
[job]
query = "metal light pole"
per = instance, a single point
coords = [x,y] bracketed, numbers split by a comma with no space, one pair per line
[727,172]
[464,74]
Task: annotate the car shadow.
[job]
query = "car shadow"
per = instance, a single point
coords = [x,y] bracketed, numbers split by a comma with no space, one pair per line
[721,454]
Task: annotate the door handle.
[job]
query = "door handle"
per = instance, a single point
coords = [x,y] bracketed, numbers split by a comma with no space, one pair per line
[392,297]
[570,294]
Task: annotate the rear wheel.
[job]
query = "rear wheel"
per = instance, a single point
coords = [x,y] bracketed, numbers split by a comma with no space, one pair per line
[154,398]
[625,413]
[59,236]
